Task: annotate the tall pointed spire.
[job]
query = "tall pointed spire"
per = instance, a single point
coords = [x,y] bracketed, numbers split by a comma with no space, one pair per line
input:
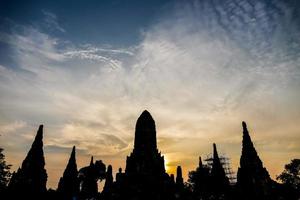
[253,180]
[249,154]
[219,180]
[217,168]
[68,186]
[145,133]
[36,152]
[32,176]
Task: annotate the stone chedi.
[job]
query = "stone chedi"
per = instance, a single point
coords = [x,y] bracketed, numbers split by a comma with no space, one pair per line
[145,158]
[145,175]
[219,180]
[179,178]
[253,180]
[31,178]
[68,186]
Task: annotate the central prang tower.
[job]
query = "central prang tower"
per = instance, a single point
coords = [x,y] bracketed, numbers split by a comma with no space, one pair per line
[145,176]
[145,133]
[145,160]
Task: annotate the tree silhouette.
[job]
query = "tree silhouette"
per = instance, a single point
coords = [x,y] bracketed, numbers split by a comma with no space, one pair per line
[4,171]
[291,174]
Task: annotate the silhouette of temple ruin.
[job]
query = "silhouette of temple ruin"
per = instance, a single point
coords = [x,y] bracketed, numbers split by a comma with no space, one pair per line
[145,176]
[68,186]
[31,178]
[253,180]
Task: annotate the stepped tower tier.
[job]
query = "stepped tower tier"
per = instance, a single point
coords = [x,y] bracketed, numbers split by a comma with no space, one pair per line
[145,176]
[145,158]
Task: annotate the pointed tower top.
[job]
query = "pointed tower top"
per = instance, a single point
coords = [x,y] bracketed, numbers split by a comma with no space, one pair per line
[73,150]
[146,112]
[215,155]
[73,154]
[145,116]
[245,130]
[218,173]
[200,162]
[71,169]
[39,135]
[179,171]
[92,161]
[36,151]
[41,127]
[145,133]
[179,179]
[249,154]
[216,166]
[244,125]
[68,184]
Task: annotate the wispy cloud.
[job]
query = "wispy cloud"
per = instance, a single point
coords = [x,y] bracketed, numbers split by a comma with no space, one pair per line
[51,21]
[12,127]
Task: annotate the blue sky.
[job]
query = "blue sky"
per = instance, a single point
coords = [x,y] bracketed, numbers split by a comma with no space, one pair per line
[87,69]
[102,22]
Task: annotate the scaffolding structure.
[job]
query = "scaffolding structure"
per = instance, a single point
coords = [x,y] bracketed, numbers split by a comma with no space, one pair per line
[225,161]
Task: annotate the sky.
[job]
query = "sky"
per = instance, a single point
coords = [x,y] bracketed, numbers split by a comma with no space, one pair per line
[87,69]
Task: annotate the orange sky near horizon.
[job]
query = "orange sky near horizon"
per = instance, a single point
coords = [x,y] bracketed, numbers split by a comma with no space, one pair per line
[56,162]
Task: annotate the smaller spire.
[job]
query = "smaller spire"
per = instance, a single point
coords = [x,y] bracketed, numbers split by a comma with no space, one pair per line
[72,159]
[73,153]
[179,179]
[219,178]
[217,168]
[215,155]
[92,161]
[200,162]
[68,185]
[118,175]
